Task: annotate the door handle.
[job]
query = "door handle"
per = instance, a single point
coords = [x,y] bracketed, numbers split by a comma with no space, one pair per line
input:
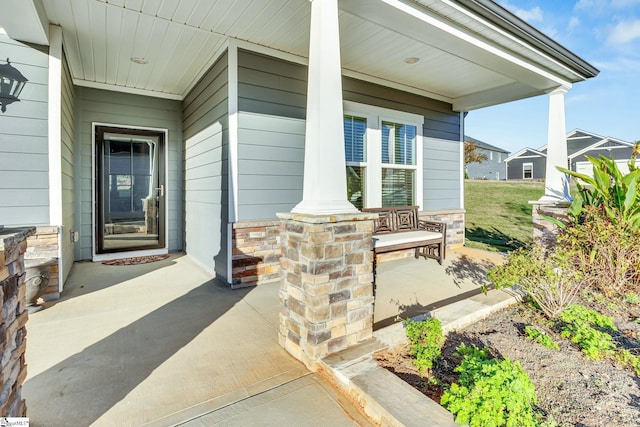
[160,190]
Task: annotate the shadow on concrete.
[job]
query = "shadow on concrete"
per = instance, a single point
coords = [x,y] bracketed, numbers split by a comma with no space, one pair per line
[86,385]
[470,270]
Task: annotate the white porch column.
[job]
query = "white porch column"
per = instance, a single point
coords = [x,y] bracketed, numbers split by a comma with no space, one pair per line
[556,185]
[325,181]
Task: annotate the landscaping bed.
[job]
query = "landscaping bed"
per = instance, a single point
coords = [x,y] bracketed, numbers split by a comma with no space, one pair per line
[571,390]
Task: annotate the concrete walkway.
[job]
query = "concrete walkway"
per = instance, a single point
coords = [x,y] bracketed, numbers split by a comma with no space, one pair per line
[162,344]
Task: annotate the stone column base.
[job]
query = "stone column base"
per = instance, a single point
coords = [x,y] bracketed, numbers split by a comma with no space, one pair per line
[326,287]
[545,233]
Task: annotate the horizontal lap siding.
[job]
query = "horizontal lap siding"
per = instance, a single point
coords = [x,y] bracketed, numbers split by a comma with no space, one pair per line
[24,165]
[272,102]
[68,179]
[205,121]
[514,167]
[271,126]
[441,179]
[122,109]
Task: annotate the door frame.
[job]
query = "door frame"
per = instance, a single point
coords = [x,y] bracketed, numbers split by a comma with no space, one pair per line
[94,216]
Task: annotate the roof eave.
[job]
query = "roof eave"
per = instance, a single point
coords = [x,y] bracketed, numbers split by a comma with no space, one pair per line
[509,22]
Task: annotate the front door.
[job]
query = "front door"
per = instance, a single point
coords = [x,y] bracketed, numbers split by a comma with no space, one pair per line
[130,189]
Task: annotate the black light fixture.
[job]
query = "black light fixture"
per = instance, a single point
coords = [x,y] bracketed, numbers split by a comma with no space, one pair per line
[11,84]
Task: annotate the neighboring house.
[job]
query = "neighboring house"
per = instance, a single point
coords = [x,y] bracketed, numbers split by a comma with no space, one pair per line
[531,164]
[491,168]
[150,127]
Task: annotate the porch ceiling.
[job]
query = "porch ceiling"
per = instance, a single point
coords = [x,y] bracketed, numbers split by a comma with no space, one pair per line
[463,59]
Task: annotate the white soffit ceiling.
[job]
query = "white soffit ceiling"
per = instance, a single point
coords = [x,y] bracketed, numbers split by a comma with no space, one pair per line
[180,38]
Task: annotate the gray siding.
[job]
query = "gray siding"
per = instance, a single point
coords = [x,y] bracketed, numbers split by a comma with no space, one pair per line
[68,185]
[442,184]
[122,109]
[490,168]
[514,167]
[608,150]
[206,196]
[272,103]
[24,164]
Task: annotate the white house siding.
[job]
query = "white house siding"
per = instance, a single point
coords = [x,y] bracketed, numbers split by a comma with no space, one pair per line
[206,197]
[24,165]
[68,185]
[122,109]
[272,102]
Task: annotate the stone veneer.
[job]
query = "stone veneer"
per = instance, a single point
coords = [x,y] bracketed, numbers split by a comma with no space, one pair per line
[256,247]
[14,315]
[545,233]
[256,253]
[326,289]
[44,244]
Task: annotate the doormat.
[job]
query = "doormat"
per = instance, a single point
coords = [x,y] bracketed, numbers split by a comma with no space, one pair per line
[136,260]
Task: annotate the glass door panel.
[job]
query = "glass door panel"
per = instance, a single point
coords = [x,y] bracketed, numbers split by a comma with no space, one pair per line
[130,190]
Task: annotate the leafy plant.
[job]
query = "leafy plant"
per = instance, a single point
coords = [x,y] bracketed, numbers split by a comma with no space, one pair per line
[549,278]
[625,358]
[425,342]
[490,392]
[579,322]
[616,194]
[632,298]
[540,337]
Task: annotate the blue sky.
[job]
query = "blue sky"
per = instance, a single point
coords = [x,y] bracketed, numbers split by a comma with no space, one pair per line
[605,33]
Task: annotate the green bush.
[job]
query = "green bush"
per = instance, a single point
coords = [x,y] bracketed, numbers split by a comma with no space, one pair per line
[425,342]
[607,254]
[548,278]
[490,392]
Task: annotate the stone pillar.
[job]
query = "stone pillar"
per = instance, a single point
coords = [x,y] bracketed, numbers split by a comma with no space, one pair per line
[556,183]
[545,233]
[13,370]
[326,289]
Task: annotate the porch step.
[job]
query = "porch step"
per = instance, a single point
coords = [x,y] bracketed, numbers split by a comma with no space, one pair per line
[384,397]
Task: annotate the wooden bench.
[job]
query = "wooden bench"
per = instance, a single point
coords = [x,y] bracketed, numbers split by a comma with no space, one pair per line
[399,228]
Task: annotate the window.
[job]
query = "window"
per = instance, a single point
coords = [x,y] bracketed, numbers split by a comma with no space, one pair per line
[527,171]
[355,144]
[490,155]
[382,154]
[499,157]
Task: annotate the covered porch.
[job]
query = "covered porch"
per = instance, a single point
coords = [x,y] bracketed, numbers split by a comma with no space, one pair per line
[162,343]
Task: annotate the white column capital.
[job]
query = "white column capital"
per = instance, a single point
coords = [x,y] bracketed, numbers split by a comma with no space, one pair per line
[325,179]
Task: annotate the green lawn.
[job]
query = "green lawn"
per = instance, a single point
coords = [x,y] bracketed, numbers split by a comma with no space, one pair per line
[499,214]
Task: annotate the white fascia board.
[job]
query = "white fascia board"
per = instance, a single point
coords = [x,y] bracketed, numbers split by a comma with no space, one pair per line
[130,90]
[524,150]
[25,20]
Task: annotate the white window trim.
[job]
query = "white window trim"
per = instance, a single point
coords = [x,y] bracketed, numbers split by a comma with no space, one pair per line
[523,166]
[373,172]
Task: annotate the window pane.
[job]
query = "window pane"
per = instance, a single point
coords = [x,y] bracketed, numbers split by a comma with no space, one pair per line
[398,143]
[397,187]
[354,138]
[355,185]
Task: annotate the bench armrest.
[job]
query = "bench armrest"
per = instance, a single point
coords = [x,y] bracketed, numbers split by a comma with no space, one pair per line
[435,226]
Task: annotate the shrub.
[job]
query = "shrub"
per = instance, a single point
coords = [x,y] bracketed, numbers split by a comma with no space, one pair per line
[490,392]
[606,253]
[425,342]
[548,278]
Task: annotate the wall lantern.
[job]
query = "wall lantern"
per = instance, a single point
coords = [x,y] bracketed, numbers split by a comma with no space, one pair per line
[11,84]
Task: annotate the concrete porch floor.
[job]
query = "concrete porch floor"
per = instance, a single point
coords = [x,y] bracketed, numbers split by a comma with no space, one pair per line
[164,344]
